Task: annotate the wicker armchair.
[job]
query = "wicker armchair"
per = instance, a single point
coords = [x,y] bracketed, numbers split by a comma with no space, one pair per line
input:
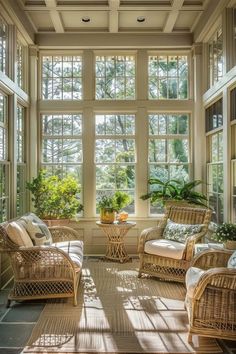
[211,295]
[42,272]
[171,265]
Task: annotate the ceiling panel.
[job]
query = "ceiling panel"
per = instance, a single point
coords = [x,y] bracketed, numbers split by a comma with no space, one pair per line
[153,19]
[74,19]
[186,19]
[41,20]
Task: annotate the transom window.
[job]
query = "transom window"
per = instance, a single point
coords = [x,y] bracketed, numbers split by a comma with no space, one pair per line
[3,45]
[115,77]
[62,77]
[168,77]
[216,57]
[4,164]
[168,148]
[62,144]
[115,154]
[213,116]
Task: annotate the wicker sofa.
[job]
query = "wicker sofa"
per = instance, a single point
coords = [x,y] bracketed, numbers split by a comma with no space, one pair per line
[46,262]
[170,259]
[211,295]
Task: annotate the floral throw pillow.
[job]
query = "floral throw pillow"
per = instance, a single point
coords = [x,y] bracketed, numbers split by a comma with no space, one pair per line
[37,229]
[180,232]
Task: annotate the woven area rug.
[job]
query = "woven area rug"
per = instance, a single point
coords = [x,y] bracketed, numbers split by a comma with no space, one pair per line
[118,313]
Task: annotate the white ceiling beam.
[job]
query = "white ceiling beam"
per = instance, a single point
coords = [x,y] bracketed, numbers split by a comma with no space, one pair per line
[57,21]
[114,16]
[173,15]
[106,8]
[114,40]
[51,5]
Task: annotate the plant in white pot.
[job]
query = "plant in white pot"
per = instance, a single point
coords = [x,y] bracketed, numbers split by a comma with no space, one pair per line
[55,197]
[226,233]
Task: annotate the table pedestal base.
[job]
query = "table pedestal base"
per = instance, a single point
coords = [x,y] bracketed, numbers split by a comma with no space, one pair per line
[116,252]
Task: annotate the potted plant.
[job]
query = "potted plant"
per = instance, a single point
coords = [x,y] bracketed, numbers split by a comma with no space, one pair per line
[110,205]
[226,233]
[175,191]
[54,197]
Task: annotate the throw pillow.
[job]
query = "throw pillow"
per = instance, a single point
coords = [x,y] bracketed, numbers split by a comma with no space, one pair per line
[18,235]
[180,232]
[37,229]
[232,261]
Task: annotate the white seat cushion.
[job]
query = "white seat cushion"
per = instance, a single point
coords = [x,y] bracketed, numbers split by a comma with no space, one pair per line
[165,248]
[74,249]
[192,278]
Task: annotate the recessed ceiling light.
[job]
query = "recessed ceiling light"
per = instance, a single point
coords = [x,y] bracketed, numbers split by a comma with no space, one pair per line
[141,19]
[86,19]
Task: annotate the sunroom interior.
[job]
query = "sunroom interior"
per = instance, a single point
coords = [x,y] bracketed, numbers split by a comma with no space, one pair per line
[115,92]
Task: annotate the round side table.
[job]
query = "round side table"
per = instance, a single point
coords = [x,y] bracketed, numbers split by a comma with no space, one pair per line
[115,234]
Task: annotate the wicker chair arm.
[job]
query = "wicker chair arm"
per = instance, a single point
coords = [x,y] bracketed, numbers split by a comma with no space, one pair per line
[190,245]
[152,233]
[222,278]
[42,261]
[63,233]
[211,258]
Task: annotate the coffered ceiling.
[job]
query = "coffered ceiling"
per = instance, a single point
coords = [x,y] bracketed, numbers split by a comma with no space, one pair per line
[113,16]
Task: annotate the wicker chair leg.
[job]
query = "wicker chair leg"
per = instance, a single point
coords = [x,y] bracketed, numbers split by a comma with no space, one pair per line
[190,338]
[139,274]
[8,303]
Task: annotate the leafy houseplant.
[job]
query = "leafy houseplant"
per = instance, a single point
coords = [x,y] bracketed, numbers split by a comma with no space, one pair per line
[226,233]
[53,197]
[175,190]
[110,205]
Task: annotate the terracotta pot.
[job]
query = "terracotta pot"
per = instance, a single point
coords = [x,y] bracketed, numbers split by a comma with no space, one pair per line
[107,215]
[230,245]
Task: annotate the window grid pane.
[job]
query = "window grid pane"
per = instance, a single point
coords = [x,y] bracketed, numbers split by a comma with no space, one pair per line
[3,45]
[115,155]
[21,196]
[215,49]
[115,77]
[168,150]
[62,152]
[4,165]
[215,176]
[62,77]
[168,77]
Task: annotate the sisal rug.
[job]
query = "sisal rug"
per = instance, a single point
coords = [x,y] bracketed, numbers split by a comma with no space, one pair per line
[118,313]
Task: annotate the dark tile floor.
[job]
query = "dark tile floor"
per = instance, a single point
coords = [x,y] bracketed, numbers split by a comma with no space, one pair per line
[18,321]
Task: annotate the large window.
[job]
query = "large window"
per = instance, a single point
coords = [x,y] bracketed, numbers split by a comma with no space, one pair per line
[3,45]
[215,48]
[115,154]
[233,152]
[214,120]
[62,144]
[168,148]
[4,164]
[62,77]
[168,77]
[115,77]
[21,163]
